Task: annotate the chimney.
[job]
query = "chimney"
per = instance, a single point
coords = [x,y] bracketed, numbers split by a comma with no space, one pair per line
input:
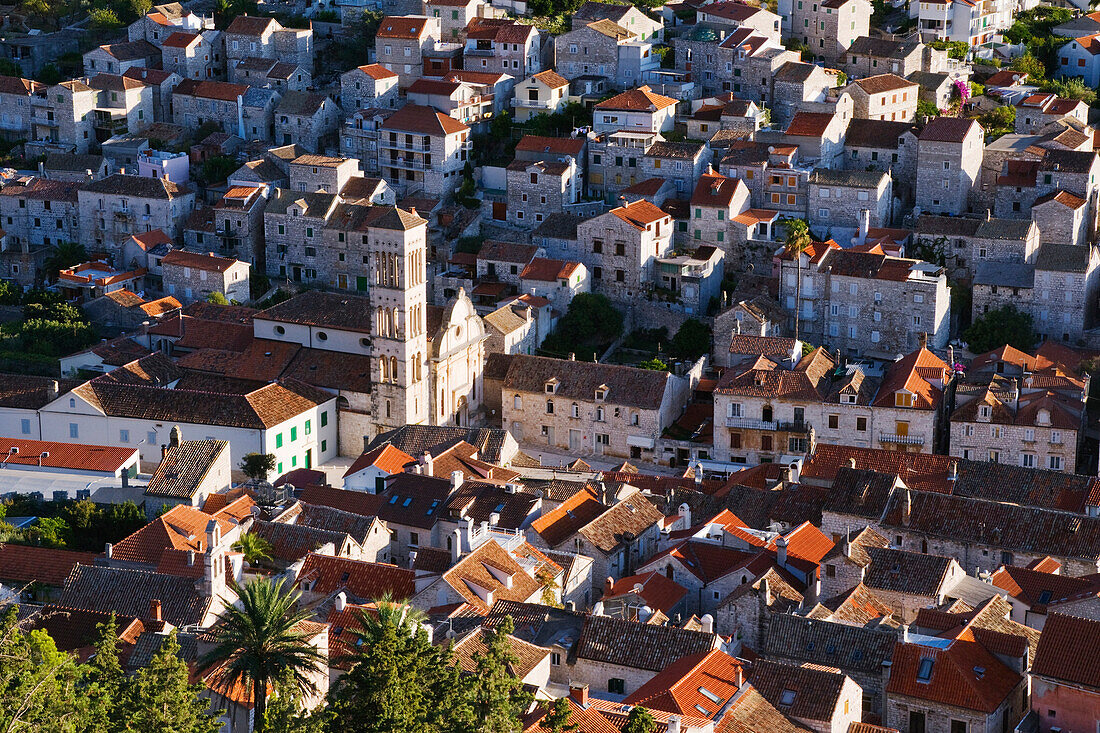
[988,214]
[796,473]
[341,601]
[908,510]
[578,693]
[190,558]
[951,357]
[41,168]
[905,633]
[456,546]
[175,437]
[851,463]
[154,610]
[427,461]
[163,450]
[572,356]
[109,550]
[674,724]
[707,622]
[765,591]
[608,585]
[456,480]
[922,339]
[781,551]
[685,512]
[52,389]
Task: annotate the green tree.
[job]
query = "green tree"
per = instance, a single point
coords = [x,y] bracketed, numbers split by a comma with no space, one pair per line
[160,697]
[51,532]
[217,298]
[995,328]
[1030,65]
[498,696]
[217,168]
[797,241]
[10,294]
[140,7]
[37,682]
[999,121]
[557,719]
[653,364]
[255,548]
[927,109]
[640,720]
[103,681]
[258,465]
[590,321]
[104,18]
[1072,88]
[261,641]
[691,341]
[63,256]
[398,681]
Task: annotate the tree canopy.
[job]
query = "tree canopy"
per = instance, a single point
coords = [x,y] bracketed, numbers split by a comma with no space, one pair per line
[1004,325]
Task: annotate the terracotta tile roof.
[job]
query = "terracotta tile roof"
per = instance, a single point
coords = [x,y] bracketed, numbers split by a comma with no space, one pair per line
[15,85]
[76,630]
[816,691]
[858,606]
[528,655]
[947,129]
[883,83]
[553,145]
[551,79]
[26,564]
[1065,198]
[715,190]
[611,29]
[914,373]
[377,71]
[291,542]
[1038,589]
[657,591]
[577,380]
[489,574]
[208,262]
[181,528]
[855,650]
[633,514]
[963,675]
[809,124]
[184,467]
[423,120]
[384,457]
[705,560]
[75,456]
[179,39]
[698,684]
[364,580]
[357,502]
[548,270]
[912,573]
[641,646]
[331,310]
[128,593]
[641,99]
[809,379]
[561,523]
[752,713]
[249,25]
[585,720]
[1069,651]
[220,90]
[416,439]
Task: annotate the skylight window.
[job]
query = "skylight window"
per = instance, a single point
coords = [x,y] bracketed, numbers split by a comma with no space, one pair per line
[408,500]
[786,699]
[703,710]
[432,508]
[1044,597]
[709,695]
[499,509]
[394,498]
[924,672]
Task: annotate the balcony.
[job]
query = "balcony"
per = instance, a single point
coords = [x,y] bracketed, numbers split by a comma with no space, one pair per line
[412,163]
[901,439]
[533,103]
[418,147]
[748,423]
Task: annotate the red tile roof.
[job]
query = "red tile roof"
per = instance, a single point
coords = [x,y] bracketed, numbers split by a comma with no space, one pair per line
[639,100]
[553,145]
[658,592]
[356,502]
[1069,650]
[366,580]
[679,688]
[640,213]
[208,262]
[76,456]
[384,457]
[705,560]
[25,564]
[809,124]
[566,519]
[409,27]
[377,71]
[964,674]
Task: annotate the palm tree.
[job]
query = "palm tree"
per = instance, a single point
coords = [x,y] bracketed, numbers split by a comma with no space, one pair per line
[254,548]
[65,254]
[260,641]
[798,240]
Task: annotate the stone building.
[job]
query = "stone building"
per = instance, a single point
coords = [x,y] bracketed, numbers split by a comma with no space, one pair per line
[1062,218]
[120,206]
[239,223]
[249,36]
[884,97]
[308,120]
[283,77]
[422,150]
[625,243]
[543,93]
[401,42]
[367,86]
[195,103]
[714,203]
[117,58]
[1059,290]
[538,189]
[844,202]
[679,163]
[194,55]
[592,48]
[890,147]
[62,118]
[829,27]
[37,215]
[503,45]
[190,276]
[867,302]
[15,106]
[868,56]
[966,242]
[949,162]
[636,109]
[589,408]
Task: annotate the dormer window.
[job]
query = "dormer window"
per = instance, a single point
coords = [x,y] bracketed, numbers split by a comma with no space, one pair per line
[1043,417]
[983,411]
[601,393]
[848,399]
[903,399]
[552,386]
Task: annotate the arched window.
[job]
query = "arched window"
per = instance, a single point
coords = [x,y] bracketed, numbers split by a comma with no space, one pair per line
[393,368]
[549,407]
[574,410]
[384,368]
